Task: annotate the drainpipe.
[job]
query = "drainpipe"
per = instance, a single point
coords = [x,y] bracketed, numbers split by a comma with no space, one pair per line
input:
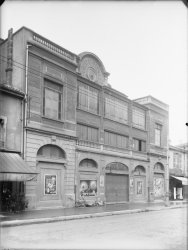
[25,101]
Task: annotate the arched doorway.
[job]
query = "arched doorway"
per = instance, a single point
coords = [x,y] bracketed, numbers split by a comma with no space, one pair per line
[88,179]
[139,183]
[51,166]
[116,183]
[158,182]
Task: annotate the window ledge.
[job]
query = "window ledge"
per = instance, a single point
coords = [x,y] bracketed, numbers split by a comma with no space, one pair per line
[142,129]
[52,119]
[114,120]
[92,113]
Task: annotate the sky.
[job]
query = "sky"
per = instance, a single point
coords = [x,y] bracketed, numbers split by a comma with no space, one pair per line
[143,45]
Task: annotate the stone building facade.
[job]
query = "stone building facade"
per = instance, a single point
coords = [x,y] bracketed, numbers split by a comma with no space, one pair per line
[84,138]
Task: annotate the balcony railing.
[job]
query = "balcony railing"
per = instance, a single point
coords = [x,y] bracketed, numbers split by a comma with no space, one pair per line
[54,47]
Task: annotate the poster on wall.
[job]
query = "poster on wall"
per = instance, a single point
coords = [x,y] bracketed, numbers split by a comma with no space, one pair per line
[139,187]
[88,188]
[50,182]
[102,181]
[158,187]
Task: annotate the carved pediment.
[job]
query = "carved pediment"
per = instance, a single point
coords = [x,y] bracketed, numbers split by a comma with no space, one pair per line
[91,67]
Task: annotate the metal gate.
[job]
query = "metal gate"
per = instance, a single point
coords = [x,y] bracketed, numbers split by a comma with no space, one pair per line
[117,188]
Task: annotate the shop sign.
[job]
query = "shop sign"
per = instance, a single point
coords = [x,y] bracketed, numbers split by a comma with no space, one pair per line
[50,182]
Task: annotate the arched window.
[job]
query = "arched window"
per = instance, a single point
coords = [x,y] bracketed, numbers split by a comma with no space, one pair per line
[158,167]
[139,170]
[117,166]
[88,163]
[51,151]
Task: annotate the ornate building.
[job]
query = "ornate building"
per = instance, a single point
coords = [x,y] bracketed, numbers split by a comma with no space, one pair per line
[83,137]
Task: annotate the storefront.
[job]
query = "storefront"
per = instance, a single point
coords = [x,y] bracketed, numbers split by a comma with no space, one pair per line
[88,186]
[178,187]
[14,172]
[116,183]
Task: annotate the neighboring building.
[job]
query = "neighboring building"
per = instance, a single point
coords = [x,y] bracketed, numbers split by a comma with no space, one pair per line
[178,169]
[13,170]
[81,135]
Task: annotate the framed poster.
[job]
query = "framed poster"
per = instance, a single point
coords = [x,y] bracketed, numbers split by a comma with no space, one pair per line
[88,187]
[50,184]
[139,187]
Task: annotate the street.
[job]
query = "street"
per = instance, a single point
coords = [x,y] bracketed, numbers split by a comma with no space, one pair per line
[165,229]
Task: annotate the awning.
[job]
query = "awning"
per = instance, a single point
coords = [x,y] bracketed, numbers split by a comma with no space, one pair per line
[14,168]
[184,180]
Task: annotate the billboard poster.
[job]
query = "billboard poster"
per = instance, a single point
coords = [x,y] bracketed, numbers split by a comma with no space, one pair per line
[139,187]
[88,187]
[50,182]
[158,187]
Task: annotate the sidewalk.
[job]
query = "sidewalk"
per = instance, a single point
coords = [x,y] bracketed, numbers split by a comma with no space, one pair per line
[60,214]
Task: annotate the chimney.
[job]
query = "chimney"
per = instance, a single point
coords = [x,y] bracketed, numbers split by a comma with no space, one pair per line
[9,57]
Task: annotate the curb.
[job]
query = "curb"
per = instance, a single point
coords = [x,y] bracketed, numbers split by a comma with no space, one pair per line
[83,216]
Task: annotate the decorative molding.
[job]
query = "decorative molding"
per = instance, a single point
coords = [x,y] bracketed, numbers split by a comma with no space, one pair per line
[59,50]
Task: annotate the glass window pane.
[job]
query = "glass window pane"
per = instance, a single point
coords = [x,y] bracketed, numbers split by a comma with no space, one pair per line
[51,103]
[116,109]
[138,118]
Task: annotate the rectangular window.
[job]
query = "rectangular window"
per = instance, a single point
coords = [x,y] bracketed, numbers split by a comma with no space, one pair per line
[115,140]
[177,160]
[88,98]
[87,133]
[52,100]
[158,128]
[116,109]
[139,145]
[3,121]
[139,118]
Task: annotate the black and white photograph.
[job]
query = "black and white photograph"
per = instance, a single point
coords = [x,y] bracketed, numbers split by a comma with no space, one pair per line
[93,124]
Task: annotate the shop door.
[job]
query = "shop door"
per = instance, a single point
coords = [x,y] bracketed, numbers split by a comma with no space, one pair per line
[116,188]
[139,185]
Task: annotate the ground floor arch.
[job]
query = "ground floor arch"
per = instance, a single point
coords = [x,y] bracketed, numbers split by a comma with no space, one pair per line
[139,183]
[159,181]
[51,163]
[116,183]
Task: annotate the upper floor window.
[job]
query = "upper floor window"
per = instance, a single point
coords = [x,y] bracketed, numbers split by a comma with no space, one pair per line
[139,145]
[177,160]
[88,98]
[116,109]
[2,131]
[158,129]
[139,118]
[87,133]
[115,140]
[52,100]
